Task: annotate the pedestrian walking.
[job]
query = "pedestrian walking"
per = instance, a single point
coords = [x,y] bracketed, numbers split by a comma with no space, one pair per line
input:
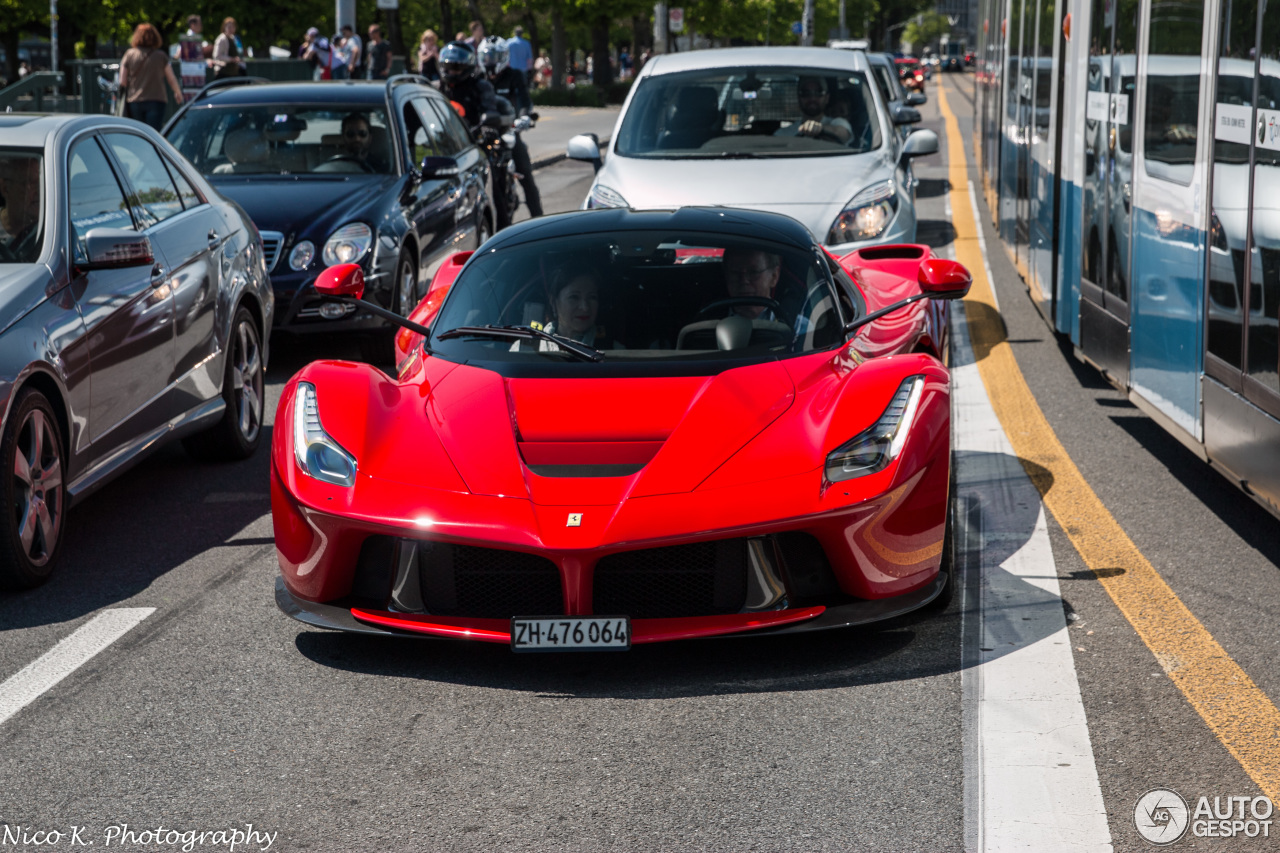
[429,55]
[477,34]
[144,71]
[379,54]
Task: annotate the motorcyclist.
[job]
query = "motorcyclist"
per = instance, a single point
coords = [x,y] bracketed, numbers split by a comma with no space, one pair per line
[494,59]
[462,83]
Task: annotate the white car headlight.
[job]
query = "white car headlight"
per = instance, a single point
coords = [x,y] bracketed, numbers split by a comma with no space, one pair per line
[302,255]
[317,454]
[866,216]
[602,196]
[873,449]
[348,244]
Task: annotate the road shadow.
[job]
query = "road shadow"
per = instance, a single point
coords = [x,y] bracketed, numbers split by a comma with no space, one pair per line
[166,511]
[924,644]
[1239,512]
[935,233]
[932,187]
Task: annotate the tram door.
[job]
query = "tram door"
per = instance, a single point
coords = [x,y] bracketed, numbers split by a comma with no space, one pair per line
[1243,308]
[1108,187]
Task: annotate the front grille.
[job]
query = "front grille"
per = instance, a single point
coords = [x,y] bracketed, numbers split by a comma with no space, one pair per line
[271,243]
[702,579]
[486,583]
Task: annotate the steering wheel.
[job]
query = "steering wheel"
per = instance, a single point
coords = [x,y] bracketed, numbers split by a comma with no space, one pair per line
[829,136]
[734,302]
[351,158]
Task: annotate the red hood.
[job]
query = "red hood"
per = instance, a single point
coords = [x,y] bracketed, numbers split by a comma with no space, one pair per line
[679,429]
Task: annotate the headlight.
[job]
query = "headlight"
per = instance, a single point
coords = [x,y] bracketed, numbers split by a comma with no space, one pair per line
[302,255]
[873,449]
[602,196]
[348,244]
[866,216]
[318,455]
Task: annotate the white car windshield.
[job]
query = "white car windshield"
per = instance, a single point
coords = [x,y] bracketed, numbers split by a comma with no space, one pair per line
[753,112]
[641,295]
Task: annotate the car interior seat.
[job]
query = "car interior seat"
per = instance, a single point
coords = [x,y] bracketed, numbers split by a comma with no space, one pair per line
[247,152]
[693,119]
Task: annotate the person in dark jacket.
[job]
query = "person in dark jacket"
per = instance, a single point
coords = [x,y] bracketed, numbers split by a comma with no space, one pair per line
[508,83]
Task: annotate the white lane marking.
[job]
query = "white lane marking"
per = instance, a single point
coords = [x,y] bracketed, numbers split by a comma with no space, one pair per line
[982,245]
[25,686]
[1031,782]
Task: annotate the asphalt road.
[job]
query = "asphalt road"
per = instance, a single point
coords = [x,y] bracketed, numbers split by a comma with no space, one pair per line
[216,711]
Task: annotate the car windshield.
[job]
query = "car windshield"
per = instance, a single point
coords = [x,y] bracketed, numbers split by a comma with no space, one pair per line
[21,206]
[273,139]
[754,112]
[641,295]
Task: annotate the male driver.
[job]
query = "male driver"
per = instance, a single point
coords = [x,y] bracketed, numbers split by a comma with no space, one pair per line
[813,97]
[751,273]
[356,137]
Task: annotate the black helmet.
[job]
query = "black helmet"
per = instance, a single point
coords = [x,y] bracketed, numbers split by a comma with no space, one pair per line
[493,55]
[457,62]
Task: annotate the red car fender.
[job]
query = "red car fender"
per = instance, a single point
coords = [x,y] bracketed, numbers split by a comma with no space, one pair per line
[888,274]
[425,311]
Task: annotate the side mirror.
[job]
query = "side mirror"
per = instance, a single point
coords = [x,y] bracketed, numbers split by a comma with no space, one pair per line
[586,146]
[116,248]
[905,115]
[438,167]
[341,280]
[943,279]
[915,99]
[919,143]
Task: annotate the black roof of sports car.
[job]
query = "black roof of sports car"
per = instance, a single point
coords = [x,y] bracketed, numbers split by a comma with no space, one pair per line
[717,220]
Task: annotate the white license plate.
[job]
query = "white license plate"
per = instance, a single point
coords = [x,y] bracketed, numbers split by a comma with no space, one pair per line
[570,634]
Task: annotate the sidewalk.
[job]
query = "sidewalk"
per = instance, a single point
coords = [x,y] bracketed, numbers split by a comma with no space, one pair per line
[547,142]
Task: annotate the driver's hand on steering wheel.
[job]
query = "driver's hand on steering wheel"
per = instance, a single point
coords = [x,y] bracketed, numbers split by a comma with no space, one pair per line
[812,127]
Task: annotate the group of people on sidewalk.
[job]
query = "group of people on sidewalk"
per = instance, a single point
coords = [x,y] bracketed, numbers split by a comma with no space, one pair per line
[345,56]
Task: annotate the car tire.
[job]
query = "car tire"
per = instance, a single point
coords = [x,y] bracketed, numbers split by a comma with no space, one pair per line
[238,432]
[33,500]
[483,232]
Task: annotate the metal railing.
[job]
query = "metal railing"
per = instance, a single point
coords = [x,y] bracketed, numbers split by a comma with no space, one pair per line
[30,93]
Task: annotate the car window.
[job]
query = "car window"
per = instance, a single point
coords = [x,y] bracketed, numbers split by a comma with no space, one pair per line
[95,198]
[21,205]
[190,198]
[645,296]
[438,137]
[156,196]
[275,139]
[453,125]
[756,113]
[421,145]
[888,87]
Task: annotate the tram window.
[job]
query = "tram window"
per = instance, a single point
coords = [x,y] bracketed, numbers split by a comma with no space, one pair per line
[1173,87]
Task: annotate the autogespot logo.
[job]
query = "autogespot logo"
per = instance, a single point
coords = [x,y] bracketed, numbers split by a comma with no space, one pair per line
[1161,816]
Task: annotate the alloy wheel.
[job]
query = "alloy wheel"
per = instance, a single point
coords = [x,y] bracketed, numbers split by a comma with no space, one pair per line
[246,379]
[38,504]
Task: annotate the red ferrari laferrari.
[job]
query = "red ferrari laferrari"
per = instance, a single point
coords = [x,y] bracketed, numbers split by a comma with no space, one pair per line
[619,427]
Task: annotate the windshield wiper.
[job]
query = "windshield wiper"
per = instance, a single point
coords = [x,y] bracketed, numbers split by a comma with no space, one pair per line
[526,333]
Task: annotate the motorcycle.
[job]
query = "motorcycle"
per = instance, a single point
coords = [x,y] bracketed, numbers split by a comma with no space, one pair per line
[500,147]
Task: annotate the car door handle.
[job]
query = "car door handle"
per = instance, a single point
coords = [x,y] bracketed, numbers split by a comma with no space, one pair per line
[213,239]
[158,275]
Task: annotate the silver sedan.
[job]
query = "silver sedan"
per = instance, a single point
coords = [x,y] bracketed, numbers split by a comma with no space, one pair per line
[799,131]
[135,305]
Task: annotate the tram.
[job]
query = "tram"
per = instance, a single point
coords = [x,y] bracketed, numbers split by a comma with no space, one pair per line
[1130,155]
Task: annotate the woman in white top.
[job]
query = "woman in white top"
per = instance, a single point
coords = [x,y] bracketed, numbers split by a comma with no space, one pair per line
[226,52]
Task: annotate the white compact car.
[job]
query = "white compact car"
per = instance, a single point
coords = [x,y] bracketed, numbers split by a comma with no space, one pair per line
[799,131]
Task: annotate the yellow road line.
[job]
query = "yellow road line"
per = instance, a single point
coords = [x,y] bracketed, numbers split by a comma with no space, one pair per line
[1235,709]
